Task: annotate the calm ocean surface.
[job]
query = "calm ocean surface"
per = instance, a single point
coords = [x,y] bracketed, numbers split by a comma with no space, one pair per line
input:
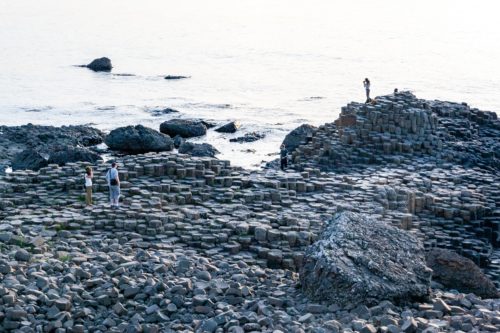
[272,65]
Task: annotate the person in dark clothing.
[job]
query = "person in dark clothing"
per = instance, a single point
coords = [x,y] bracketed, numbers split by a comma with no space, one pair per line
[366,84]
[283,157]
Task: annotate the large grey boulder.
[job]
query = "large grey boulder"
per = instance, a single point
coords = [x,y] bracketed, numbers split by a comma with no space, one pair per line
[360,260]
[198,149]
[187,128]
[298,136]
[138,139]
[100,65]
[460,273]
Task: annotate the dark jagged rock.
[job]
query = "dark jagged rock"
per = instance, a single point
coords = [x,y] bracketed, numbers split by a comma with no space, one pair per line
[231,127]
[187,128]
[176,77]
[138,139]
[100,65]
[63,155]
[198,149]
[36,135]
[29,159]
[298,136]
[360,260]
[38,142]
[36,159]
[248,137]
[460,273]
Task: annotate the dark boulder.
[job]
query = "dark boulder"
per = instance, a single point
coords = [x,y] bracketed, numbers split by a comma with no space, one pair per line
[361,260]
[298,136]
[175,77]
[231,127]
[29,159]
[100,65]
[178,141]
[63,155]
[36,159]
[138,139]
[248,137]
[187,128]
[456,272]
[198,149]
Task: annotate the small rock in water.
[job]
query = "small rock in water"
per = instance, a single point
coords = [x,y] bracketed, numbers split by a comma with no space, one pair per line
[175,77]
[248,137]
[100,65]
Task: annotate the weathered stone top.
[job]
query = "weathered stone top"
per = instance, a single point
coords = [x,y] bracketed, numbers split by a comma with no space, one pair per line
[398,119]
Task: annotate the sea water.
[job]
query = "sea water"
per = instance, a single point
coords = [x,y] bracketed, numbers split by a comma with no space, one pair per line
[272,65]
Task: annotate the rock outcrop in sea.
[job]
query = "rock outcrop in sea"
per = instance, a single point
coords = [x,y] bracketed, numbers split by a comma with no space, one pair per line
[200,246]
[100,65]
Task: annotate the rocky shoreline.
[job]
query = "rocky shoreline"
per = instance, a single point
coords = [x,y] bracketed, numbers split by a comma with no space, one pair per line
[201,246]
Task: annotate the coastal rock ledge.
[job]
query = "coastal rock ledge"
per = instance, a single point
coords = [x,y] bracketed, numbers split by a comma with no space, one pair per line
[360,260]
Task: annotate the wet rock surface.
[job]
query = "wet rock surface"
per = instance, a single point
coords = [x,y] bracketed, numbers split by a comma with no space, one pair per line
[186,128]
[359,260]
[138,139]
[198,245]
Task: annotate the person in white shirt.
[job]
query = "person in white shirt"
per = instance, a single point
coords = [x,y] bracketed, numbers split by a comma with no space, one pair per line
[88,185]
[366,84]
[114,185]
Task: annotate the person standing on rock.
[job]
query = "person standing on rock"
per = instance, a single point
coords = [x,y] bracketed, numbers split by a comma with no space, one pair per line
[114,185]
[366,84]
[88,185]
[283,157]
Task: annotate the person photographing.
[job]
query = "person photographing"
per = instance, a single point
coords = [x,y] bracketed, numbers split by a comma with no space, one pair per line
[113,181]
[366,84]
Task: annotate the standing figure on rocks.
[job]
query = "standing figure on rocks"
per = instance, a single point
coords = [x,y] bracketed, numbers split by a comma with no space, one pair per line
[366,84]
[88,185]
[114,185]
[283,157]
